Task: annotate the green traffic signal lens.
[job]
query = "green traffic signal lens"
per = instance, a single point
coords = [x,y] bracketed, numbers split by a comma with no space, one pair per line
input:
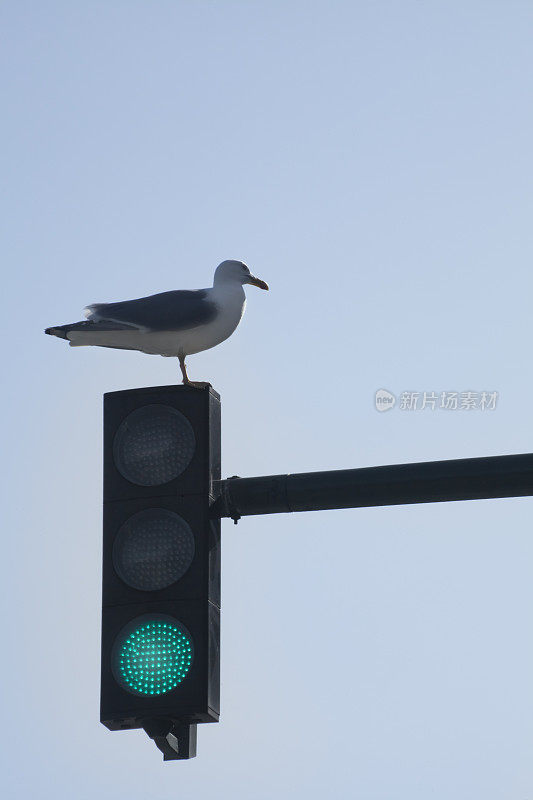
[152,655]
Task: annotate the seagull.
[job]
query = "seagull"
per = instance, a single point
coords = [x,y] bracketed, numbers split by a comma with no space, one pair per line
[175,324]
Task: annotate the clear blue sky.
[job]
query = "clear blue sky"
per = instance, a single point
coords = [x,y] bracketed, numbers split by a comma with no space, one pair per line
[372,161]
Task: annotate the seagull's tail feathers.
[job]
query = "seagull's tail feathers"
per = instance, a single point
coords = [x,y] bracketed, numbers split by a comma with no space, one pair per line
[92,332]
[59,331]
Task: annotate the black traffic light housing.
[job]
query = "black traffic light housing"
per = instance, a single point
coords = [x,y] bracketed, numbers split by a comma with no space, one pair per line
[161,564]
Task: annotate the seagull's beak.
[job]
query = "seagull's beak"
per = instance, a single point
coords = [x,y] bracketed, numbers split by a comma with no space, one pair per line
[257,282]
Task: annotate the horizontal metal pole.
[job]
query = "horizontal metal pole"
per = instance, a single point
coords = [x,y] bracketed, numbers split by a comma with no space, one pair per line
[397,484]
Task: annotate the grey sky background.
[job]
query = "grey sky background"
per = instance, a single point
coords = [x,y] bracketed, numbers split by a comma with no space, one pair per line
[372,161]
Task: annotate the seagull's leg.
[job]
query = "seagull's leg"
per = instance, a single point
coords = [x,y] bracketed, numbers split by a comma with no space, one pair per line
[186,381]
[183,368]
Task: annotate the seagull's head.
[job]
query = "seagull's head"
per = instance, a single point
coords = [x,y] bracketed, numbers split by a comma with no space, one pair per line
[236,272]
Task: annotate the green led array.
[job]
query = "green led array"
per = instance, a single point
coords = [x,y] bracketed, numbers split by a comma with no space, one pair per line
[153,658]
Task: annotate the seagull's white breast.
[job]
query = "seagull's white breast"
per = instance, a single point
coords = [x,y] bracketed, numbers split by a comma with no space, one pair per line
[230,302]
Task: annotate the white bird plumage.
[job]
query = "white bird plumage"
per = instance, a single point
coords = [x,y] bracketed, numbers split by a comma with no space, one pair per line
[176,323]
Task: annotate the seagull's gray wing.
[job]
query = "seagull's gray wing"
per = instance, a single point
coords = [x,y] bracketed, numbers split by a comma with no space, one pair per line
[168,311]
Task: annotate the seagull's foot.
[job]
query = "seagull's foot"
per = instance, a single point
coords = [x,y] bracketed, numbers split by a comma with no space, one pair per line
[197,384]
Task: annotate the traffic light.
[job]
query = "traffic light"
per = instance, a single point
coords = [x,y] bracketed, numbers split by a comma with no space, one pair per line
[161,564]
